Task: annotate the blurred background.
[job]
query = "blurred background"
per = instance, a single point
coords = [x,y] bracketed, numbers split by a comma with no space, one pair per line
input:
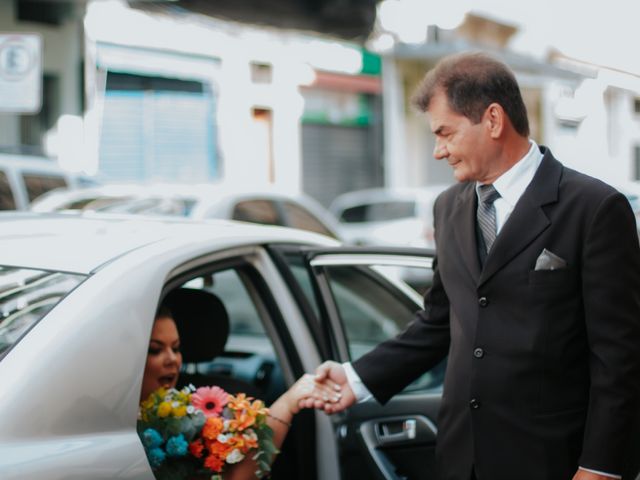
[305,99]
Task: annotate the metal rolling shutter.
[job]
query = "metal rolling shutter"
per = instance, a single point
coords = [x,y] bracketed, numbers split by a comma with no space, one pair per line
[338,159]
[157,134]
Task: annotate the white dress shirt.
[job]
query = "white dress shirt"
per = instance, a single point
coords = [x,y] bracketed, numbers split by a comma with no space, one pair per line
[510,185]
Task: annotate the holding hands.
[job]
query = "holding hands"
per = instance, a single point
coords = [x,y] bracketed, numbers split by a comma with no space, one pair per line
[327,390]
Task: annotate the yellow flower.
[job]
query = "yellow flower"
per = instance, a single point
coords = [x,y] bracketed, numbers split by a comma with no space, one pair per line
[182,397]
[164,409]
[148,403]
[180,411]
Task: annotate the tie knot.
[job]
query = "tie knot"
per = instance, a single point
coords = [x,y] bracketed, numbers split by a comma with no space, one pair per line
[488,194]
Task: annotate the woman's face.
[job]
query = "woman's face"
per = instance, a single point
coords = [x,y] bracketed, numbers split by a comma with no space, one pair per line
[163,358]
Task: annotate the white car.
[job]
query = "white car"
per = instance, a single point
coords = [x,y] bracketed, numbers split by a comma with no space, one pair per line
[390,217]
[78,294]
[387,216]
[24,178]
[264,206]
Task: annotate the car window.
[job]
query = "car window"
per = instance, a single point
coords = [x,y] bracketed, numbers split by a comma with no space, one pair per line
[243,315]
[372,311]
[379,211]
[372,304]
[300,273]
[37,184]
[257,211]
[354,214]
[391,210]
[7,202]
[26,296]
[93,202]
[299,217]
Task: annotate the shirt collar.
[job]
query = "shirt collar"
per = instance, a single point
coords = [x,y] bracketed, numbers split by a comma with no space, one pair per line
[512,183]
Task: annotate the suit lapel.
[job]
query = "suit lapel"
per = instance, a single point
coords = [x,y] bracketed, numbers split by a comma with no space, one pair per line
[527,220]
[463,220]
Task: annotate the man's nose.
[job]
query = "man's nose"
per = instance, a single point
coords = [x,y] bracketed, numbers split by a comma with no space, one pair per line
[440,151]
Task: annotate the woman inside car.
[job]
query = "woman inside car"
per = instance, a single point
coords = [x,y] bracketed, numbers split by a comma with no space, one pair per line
[162,369]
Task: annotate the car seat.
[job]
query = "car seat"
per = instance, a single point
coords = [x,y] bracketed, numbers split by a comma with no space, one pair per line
[203,325]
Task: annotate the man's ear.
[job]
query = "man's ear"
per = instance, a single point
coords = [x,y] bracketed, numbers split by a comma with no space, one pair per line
[495,119]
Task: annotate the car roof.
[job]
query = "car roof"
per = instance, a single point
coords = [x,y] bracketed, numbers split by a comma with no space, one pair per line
[84,242]
[204,198]
[373,195]
[206,193]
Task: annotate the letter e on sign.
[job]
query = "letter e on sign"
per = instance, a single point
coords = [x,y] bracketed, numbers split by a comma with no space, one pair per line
[20,72]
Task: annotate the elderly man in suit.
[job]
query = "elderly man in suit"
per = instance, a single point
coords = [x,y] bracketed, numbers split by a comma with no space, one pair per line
[535,298]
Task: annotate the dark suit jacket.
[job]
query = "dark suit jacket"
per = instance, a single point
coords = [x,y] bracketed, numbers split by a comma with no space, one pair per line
[543,366]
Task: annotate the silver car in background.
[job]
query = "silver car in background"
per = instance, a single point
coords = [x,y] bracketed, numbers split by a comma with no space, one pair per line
[396,217]
[387,216]
[24,178]
[267,206]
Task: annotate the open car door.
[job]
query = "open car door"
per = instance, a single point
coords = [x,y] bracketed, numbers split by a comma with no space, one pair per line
[357,298]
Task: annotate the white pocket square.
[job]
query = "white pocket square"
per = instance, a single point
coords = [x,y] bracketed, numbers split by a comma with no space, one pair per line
[550,261]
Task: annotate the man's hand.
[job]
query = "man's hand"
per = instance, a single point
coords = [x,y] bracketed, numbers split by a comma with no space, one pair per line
[307,388]
[332,374]
[585,475]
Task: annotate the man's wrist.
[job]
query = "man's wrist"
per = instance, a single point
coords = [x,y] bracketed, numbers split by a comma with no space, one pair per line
[359,389]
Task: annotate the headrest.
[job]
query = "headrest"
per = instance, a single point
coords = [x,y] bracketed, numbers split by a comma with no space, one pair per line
[202,321]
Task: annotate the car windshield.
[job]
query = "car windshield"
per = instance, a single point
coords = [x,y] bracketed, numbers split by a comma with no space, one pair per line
[26,295]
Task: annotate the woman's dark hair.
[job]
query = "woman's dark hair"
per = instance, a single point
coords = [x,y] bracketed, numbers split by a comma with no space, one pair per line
[163,311]
[472,82]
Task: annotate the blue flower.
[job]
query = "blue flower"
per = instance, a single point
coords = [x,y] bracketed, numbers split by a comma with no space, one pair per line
[151,438]
[156,456]
[177,446]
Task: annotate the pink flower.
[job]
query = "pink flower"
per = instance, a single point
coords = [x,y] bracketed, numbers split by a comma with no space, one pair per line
[211,400]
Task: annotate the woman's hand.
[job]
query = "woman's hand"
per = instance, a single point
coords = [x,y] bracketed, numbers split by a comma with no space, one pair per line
[307,388]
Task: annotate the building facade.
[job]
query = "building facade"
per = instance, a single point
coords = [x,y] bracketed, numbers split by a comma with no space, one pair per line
[230,102]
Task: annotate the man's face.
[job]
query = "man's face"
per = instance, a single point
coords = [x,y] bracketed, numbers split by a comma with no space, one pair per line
[466,146]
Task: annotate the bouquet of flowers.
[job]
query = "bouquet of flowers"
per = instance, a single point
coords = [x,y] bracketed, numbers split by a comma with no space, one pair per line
[192,432]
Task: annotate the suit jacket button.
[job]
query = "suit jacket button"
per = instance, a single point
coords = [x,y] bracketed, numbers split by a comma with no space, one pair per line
[478,353]
[474,403]
[483,301]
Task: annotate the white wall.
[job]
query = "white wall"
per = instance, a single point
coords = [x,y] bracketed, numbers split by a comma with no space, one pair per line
[601,144]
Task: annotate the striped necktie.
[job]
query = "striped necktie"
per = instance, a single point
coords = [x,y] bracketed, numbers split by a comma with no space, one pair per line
[486,214]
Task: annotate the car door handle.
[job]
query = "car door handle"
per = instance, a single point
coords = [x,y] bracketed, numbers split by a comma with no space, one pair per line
[395,431]
[400,431]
